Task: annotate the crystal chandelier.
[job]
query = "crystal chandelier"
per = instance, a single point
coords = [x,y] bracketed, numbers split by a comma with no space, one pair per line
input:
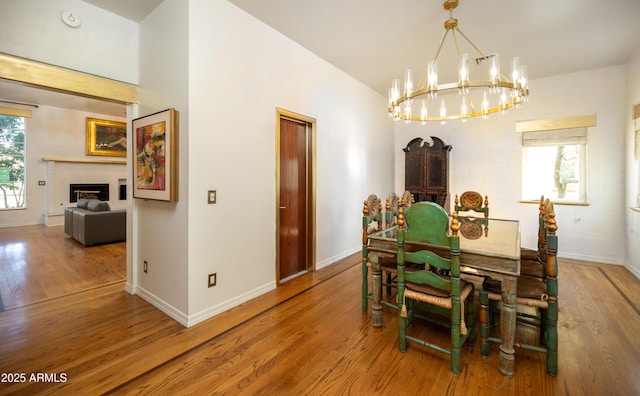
[431,100]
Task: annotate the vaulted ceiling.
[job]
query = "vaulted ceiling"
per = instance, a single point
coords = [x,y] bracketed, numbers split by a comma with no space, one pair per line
[376,40]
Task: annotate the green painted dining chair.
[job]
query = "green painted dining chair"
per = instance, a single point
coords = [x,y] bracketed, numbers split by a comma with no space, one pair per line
[407,200]
[472,227]
[539,294]
[391,211]
[371,222]
[532,260]
[472,201]
[532,264]
[430,291]
[389,267]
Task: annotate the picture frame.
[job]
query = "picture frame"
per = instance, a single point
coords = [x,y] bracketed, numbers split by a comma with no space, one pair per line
[155,156]
[105,137]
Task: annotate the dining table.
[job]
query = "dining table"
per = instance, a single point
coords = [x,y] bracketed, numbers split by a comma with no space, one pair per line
[488,247]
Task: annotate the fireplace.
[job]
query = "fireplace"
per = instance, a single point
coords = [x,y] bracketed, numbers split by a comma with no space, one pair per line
[90,191]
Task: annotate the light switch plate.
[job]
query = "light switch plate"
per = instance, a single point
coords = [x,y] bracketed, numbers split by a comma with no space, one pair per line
[211,198]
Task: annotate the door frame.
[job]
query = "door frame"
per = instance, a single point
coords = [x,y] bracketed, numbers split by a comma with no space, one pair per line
[310,242]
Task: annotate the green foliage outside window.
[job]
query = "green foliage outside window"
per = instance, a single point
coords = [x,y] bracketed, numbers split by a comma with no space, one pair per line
[12,162]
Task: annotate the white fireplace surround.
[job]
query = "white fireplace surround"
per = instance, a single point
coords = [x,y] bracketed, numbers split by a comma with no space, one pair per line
[61,172]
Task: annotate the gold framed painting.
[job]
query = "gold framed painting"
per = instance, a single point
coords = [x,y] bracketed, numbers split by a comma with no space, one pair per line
[106,137]
[155,156]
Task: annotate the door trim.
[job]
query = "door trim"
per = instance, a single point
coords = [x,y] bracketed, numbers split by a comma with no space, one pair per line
[310,188]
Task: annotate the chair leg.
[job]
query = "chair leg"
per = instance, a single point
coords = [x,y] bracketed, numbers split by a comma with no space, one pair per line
[543,326]
[389,279]
[484,323]
[552,338]
[456,341]
[470,319]
[365,285]
[494,311]
[410,311]
[402,331]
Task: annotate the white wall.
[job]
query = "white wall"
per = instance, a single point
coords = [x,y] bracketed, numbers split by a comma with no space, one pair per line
[240,70]
[189,57]
[58,132]
[105,44]
[632,166]
[486,157]
[160,228]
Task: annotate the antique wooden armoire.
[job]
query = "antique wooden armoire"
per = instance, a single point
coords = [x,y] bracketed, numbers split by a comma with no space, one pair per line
[426,173]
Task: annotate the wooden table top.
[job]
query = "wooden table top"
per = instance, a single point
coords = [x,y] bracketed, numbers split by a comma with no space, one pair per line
[496,250]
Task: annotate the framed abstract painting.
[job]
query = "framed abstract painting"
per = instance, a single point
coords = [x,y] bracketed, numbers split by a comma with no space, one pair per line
[155,156]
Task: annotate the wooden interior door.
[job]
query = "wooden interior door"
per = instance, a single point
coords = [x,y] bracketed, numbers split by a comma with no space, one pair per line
[295,204]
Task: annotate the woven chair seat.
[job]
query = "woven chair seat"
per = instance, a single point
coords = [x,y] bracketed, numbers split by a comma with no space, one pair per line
[531,268]
[532,291]
[529,254]
[424,294]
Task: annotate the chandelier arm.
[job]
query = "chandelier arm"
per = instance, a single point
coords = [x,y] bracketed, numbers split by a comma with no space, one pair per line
[444,36]
[455,41]
[471,106]
[471,42]
[423,80]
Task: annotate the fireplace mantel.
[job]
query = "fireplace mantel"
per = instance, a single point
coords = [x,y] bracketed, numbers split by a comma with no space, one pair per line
[85,160]
[64,171]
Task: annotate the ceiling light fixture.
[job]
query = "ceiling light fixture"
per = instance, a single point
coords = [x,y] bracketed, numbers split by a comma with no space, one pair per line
[474,97]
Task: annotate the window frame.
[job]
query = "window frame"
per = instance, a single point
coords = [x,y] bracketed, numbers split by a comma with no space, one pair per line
[568,130]
[582,178]
[23,115]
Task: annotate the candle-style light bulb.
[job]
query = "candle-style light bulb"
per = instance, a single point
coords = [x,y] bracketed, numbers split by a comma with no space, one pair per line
[463,74]
[423,112]
[408,84]
[494,72]
[464,110]
[432,78]
[485,106]
[407,112]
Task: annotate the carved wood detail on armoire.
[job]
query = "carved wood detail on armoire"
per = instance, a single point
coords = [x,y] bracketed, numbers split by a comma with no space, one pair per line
[426,173]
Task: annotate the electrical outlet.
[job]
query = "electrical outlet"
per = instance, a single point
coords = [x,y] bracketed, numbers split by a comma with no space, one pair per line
[145,266]
[41,182]
[213,278]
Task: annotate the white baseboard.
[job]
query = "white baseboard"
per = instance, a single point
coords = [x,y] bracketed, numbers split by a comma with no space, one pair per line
[632,269]
[227,305]
[19,224]
[340,256]
[163,306]
[191,320]
[593,259]
[53,219]
[129,288]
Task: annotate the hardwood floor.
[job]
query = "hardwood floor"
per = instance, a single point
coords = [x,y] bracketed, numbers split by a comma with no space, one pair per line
[39,263]
[310,337]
